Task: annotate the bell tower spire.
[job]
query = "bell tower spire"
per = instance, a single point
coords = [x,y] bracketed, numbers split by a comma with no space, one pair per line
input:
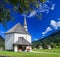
[25,24]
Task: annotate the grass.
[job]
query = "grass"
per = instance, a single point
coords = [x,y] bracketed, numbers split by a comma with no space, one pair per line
[31,54]
[47,50]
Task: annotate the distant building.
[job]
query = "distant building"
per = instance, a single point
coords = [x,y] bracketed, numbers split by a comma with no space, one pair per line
[48,46]
[40,47]
[18,38]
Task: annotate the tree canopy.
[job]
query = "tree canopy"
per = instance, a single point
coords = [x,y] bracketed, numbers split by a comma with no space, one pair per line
[21,6]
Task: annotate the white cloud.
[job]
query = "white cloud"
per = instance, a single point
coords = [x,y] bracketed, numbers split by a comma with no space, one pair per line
[47,30]
[55,24]
[43,8]
[36,39]
[53,6]
[43,33]
[58,24]
[32,13]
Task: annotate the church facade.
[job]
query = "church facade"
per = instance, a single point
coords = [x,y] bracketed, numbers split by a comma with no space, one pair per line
[18,38]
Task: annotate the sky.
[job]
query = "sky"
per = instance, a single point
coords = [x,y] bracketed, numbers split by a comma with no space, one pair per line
[38,28]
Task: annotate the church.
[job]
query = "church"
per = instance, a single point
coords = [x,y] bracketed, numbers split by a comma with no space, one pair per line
[18,39]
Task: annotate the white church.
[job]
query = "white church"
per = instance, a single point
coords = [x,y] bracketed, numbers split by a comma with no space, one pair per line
[18,38]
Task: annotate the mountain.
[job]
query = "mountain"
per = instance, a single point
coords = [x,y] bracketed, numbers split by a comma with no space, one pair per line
[2,41]
[53,38]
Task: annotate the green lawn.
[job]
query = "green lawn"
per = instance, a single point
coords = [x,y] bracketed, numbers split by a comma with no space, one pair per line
[47,50]
[32,54]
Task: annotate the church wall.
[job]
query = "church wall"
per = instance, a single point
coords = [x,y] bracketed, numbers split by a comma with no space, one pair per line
[9,41]
[17,35]
[29,38]
[12,38]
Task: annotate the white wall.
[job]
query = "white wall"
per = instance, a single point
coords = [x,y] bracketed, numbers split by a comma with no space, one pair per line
[27,37]
[12,38]
[9,41]
[15,48]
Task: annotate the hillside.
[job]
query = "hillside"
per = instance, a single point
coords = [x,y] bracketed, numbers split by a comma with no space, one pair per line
[2,41]
[53,38]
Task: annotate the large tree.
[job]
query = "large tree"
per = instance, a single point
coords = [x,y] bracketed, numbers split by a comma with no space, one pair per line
[22,6]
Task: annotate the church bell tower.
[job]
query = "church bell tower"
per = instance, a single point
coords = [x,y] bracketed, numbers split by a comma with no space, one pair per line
[25,24]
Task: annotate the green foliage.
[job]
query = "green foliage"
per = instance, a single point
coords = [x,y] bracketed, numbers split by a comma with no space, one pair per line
[53,40]
[2,42]
[4,14]
[22,6]
[54,50]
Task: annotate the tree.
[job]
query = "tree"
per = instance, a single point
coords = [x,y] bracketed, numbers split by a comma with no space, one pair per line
[4,13]
[25,6]
[22,6]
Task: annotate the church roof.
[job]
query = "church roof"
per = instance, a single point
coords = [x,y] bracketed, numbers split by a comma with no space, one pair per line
[18,28]
[22,41]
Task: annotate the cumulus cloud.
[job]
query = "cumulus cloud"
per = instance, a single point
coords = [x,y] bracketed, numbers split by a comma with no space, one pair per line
[55,24]
[47,30]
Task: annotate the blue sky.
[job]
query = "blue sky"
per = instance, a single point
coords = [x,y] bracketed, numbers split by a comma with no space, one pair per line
[38,28]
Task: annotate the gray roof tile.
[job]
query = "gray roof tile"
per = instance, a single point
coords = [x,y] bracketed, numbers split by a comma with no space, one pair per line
[22,41]
[18,28]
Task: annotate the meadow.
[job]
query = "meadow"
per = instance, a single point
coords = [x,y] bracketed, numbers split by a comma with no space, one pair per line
[34,53]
